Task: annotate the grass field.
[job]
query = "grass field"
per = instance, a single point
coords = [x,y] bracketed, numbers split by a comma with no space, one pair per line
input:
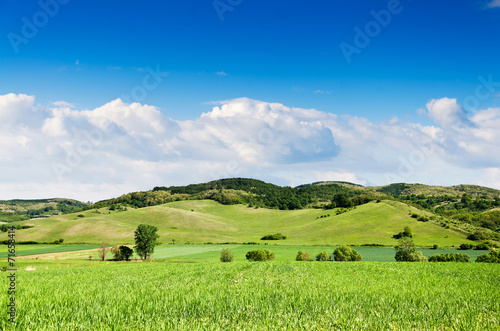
[200,221]
[84,295]
[211,253]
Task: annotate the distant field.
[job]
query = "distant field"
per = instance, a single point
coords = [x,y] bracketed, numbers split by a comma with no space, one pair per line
[201,221]
[91,295]
[23,250]
[211,253]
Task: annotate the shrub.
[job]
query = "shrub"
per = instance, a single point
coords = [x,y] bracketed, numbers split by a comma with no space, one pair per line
[477,236]
[126,252]
[491,257]
[457,257]
[277,236]
[435,247]
[323,256]
[81,215]
[423,219]
[116,252]
[260,255]
[481,247]
[302,256]
[405,251]
[405,234]
[226,255]
[465,247]
[346,253]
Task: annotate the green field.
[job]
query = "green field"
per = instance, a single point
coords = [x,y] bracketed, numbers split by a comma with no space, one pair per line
[201,221]
[211,253]
[84,295]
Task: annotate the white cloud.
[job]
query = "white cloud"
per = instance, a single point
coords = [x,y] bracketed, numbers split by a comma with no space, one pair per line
[321,92]
[120,147]
[222,73]
[493,4]
[447,113]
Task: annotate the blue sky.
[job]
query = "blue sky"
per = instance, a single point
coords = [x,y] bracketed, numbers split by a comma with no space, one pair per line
[89,53]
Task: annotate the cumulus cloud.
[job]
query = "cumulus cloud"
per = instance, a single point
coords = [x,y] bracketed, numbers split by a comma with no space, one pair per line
[119,147]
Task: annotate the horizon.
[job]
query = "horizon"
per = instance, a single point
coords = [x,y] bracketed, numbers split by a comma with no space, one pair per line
[99,100]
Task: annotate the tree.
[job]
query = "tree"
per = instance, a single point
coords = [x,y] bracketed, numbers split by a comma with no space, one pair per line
[226,255]
[260,255]
[491,257]
[102,251]
[302,256]
[116,252]
[145,240]
[323,256]
[346,253]
[126,253]
[406,252]
[405,234]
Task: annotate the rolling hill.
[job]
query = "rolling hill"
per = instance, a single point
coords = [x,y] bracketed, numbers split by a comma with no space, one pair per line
[201,221]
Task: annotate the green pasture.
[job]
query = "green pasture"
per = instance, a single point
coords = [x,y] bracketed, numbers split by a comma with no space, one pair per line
[91,295]
[202,221]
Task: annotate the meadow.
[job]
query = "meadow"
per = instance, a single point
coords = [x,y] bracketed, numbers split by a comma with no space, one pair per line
[91,295]
[202,221]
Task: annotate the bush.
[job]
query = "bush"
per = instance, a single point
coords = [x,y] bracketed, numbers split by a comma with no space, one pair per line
[226,255]
[465,247]
[405,251]
[260,255]
[481,247]
[477,236]
[323,256]
[457,257]
[423,219]
[302,256]
[346,253]
[435,247]
[116,252]
[405,234]
[277,236]
[126,252]
[491,257]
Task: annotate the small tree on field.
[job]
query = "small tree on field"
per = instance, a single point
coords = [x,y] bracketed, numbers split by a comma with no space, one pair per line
[226,255]
[260,255]
[126,253]
[406,233]
[491,257]
[116,252]
[323,256]
[102,251]
[145,240]
[346,253]
[302,256]
[406,251]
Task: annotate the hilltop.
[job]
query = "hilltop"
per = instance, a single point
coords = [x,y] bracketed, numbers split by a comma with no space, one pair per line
[465,210]
[17,210]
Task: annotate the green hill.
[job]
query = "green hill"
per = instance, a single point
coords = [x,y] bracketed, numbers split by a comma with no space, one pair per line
[201,221]
[16,210]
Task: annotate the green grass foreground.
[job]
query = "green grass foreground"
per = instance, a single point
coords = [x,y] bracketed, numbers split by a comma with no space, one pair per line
[84,295]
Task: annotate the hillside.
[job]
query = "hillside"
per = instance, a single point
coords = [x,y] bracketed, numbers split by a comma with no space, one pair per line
[17,210]
[201,221]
